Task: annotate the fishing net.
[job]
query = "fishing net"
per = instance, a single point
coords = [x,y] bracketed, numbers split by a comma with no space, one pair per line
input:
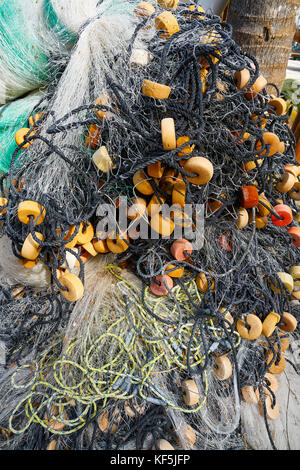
[128,326]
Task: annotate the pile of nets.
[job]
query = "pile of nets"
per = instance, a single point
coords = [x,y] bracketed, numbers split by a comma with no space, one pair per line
[150,241]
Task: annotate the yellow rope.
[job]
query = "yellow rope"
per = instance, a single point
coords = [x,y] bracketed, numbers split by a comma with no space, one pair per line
[134,358]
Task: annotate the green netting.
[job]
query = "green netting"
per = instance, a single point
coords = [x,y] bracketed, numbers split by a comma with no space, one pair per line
[13,117]
[31,31]
[23,62]
[26,42]
[24,59]
[118,6]
[56,25]
[17,38]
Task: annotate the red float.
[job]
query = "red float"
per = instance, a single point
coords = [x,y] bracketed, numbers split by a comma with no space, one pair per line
[283,211]
[249,197]
[179,249]
[294,232]
[160,289]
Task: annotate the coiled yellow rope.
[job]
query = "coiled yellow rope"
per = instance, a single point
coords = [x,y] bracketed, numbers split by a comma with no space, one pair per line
[57,383]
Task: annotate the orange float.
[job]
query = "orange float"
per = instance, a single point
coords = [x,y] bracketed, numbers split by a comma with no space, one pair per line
[28,209]
[201,167]
[257,87]
[167,23]
[254,329]
[161,285]
[144,9]
[85,233]
[181,248]
[242,78]
[93,137]
[271,139]
[20,137]
[294,232]
[249,197]
[31,249]
[156,90]
[3,202]
[168,134]
[155,170]
[279,106]
[74,287]
[283,211]
[103,100]
[118,244]
[187,149]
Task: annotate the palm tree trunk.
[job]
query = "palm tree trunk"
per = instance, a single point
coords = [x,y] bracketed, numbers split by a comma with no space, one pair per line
[265,29]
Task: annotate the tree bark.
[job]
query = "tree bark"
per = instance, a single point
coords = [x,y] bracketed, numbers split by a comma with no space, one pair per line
[265,29]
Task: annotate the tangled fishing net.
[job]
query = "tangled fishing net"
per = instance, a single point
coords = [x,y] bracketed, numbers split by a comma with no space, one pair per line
[124,331]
